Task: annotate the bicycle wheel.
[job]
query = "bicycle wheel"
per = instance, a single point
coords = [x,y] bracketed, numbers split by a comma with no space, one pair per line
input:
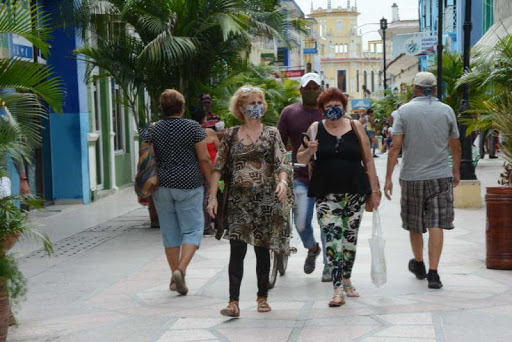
[274,266]
[284,258]
[283,264]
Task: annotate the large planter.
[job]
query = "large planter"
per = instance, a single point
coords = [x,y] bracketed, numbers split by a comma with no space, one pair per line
[499,228]
[5,309]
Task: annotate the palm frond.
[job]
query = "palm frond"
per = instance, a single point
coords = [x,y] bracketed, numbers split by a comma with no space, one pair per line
[28,21]
[32,77]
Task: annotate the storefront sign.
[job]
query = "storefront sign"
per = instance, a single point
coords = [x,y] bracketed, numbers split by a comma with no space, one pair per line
[360,103]
[293,73]
[414,44]
[20,47]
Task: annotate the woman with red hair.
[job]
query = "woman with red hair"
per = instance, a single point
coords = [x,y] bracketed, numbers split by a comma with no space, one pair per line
[340,185]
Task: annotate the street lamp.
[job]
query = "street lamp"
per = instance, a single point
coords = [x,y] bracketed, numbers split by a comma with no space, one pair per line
[383,27]
[467,171]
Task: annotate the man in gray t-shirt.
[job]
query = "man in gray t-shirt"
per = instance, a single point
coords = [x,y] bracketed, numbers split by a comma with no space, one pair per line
[427,131]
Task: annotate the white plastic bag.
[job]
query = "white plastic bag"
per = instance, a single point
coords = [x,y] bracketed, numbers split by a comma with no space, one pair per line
[377,243]
[5,187]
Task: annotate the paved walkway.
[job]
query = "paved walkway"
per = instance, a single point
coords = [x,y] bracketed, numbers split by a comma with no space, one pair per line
[108,281]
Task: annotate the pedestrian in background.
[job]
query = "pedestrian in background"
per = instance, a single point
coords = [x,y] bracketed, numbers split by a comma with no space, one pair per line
[181,153]
[369,125]
[255,157]
[212,120]
[212,144]
[427,131]
[295,120]
[340,185]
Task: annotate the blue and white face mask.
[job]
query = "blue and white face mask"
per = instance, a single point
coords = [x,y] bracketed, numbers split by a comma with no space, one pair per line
[254,111]
[334,113]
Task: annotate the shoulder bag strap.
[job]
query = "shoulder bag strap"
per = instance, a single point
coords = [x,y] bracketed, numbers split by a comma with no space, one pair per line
[363,152]
[231,138]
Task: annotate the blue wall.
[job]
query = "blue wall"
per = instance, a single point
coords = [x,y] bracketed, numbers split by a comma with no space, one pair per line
[476,19]
[66,141]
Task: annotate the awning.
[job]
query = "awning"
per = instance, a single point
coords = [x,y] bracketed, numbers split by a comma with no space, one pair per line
[498,30]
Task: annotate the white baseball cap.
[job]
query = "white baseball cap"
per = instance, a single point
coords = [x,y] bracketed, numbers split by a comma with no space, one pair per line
[310,76]
[425,79]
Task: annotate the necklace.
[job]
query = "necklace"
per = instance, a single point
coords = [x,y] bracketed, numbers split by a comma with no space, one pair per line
[251,135]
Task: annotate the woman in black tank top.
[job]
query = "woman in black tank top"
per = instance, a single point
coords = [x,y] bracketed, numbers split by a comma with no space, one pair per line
[340,185]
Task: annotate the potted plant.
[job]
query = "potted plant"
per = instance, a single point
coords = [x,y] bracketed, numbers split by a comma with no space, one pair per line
[14,225]
[491,74]
[499,199]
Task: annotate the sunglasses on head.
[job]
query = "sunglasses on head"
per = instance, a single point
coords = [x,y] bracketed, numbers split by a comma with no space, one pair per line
[248,89]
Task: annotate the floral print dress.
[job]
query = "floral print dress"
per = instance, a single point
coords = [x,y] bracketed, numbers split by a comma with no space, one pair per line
[254,214]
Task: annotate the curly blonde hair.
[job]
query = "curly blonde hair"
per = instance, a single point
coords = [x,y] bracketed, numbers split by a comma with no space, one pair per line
[240,97]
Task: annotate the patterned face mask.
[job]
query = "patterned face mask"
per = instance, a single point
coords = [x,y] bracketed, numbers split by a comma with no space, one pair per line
[334,113]
[254,111]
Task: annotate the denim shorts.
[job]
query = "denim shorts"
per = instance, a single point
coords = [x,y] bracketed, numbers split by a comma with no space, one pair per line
[180,213]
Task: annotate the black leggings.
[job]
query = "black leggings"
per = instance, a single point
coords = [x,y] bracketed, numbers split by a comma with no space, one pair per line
[236,268]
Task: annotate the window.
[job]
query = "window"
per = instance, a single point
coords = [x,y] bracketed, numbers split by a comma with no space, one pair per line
[339,25]
[337,48]
[96,105]
[365,79]
[357,81]
[373,81]
[117,118]
[342,80]
[488,14]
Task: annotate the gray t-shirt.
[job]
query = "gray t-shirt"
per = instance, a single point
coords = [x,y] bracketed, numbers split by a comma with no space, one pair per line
[426,124]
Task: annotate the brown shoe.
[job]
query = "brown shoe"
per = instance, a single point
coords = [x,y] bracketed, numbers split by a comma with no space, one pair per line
[263,305]
[179,279]
[232,310]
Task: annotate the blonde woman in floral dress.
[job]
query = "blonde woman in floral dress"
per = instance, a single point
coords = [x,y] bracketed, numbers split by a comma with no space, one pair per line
[259,197]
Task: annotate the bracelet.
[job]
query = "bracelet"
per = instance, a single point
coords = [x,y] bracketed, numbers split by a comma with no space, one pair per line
[283,181]
[376,192]
[23,178]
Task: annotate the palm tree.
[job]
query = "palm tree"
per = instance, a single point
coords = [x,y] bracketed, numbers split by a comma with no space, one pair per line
[25,87]
[182,44]
[491,75]
[278,92]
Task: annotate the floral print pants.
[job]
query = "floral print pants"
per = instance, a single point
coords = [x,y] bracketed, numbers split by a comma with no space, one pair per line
[339,216]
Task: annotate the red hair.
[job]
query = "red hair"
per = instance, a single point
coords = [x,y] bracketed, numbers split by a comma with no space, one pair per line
[331,94]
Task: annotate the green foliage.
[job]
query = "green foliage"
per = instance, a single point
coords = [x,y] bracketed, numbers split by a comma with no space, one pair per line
[383,108]
[34,84]
[15,221]
[11,276]
[491,75]
[279,93]
[187,45]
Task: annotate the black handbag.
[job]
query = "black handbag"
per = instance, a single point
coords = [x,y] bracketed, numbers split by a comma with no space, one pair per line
[220,218]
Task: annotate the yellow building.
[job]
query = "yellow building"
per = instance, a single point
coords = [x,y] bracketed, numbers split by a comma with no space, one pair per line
[342,60]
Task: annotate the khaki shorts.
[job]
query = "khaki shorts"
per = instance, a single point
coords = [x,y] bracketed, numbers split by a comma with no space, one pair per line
[427,204]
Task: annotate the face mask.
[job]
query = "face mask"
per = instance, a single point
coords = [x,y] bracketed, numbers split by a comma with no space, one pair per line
[254,111]
[333,113]
[309,99]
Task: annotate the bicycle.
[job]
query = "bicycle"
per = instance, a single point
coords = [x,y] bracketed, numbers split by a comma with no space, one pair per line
[279,260]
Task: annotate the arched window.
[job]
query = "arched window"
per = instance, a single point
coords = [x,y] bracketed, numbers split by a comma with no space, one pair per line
[339,26]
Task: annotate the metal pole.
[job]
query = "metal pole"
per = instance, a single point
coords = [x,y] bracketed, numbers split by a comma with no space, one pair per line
[440,50]
[467,171]
[384,53]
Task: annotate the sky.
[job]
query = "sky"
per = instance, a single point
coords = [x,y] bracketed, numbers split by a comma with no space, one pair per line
[371,11]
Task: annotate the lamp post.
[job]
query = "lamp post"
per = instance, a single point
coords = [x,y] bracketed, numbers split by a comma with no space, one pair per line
[467,171]
[383,27]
